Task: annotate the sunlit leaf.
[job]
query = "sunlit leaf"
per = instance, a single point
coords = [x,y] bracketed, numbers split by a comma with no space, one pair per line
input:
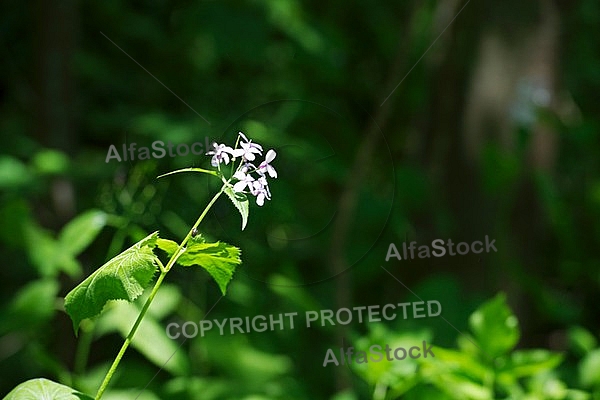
[462,364]
[49,161]
[530,362]
[218,259]
[123,277]
[41,249]
[44,389]
[13,173]
[461,388]
[589,369]
[495,327]
[167,245]
[81,231]
[32,306]
[581,340]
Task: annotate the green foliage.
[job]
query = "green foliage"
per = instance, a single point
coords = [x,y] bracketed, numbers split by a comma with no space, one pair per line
[218,259]
[32,306]
[461,375]
[50,255]
[151,338]
[589,370]
[13,173]
[495,327]
[122,278]
[80,232]
[44,389]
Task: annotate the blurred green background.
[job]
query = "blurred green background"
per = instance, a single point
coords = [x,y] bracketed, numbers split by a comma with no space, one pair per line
[495,131]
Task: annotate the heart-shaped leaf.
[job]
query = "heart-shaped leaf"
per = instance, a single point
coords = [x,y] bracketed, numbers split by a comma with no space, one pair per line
[122,278]
[44,389]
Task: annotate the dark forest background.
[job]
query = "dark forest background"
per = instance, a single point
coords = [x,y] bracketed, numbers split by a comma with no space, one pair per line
[494,131]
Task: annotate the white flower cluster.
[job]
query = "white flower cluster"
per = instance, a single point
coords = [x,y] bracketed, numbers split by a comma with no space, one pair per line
[257,184]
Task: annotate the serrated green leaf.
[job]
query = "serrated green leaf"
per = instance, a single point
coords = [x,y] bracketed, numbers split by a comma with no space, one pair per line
[44,389]
[122,278]
[240,201]
[495,327]
[218,259]
[81,231]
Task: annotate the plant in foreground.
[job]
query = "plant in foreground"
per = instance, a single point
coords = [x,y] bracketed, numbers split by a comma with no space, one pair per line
[126,275]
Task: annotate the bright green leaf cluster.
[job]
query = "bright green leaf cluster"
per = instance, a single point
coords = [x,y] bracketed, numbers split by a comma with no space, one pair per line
[486,367]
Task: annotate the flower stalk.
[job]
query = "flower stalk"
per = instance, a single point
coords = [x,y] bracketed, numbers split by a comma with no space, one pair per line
[246,182]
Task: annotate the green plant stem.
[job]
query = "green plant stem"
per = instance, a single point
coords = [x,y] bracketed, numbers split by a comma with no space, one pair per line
[181,247]
[180,250]
[129,337]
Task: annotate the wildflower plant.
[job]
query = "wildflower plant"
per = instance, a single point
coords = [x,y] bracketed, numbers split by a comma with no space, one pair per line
[128,274]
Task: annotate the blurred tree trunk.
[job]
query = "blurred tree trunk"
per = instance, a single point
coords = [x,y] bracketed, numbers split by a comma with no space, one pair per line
[56,40]
[56,26]
[514,76]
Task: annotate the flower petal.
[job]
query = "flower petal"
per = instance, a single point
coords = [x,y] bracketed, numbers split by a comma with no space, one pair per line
[237,152]
[256,147]
[270,156]
[240,186]
[226,149]
[240,175]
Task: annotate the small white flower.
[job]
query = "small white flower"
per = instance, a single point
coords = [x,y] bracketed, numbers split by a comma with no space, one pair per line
[260,189]
[219,154]
[244,180]
[248,149]
[266,166]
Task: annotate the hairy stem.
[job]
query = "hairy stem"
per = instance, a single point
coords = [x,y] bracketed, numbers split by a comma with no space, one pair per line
[180,250]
